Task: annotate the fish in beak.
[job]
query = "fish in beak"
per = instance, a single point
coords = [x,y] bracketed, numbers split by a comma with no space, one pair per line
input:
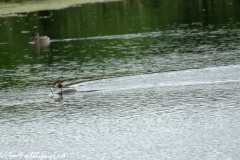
[51,89]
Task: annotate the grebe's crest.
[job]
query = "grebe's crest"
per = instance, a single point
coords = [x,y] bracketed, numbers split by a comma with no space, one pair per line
[57,84]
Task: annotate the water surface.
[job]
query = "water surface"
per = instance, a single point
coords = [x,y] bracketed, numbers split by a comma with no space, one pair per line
[151,84]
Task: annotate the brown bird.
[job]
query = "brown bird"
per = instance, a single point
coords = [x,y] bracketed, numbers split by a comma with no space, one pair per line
[45,40]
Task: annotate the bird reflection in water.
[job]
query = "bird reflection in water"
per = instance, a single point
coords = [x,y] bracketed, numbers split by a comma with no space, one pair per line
[58,99]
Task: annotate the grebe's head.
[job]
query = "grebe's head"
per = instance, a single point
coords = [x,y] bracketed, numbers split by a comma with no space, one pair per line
[35,36]
[57,84]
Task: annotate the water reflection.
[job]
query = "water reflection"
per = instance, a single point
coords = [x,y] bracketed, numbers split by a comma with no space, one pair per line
[153,76]
[57,98]
[83,59]
[41,47]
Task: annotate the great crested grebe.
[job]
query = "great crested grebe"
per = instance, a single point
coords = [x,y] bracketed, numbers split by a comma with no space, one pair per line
[45,40]
[59,85]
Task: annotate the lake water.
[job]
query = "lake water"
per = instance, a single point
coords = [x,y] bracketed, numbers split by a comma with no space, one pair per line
[154,80]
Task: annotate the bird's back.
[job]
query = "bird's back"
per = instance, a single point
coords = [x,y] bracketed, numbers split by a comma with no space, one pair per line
[69,91]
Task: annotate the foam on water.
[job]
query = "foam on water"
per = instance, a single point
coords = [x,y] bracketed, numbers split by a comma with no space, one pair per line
[215,75]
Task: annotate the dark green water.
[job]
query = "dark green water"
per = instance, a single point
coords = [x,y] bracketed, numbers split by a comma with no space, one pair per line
[163,75]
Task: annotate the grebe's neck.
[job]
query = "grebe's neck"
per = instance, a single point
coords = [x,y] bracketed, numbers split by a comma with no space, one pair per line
[36,38]
[60,91]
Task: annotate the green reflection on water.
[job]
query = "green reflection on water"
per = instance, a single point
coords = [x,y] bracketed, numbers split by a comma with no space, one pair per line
[19,61]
